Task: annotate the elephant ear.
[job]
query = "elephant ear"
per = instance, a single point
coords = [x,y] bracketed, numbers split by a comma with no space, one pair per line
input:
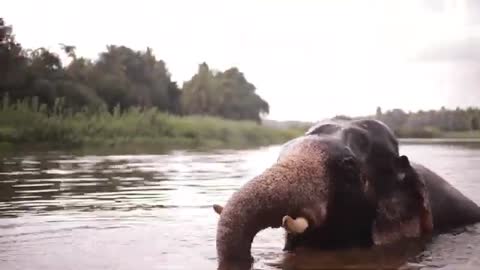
[404,211]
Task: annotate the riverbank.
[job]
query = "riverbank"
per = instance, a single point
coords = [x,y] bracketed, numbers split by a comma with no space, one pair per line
[462,135]
[459,135]
[429,133]
[26,125]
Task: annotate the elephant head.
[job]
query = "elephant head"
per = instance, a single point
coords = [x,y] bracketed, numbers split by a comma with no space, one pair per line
[324,190]
[313,179]
[396,190]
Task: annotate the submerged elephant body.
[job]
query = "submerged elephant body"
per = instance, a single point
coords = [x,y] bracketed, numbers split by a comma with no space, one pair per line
[397,194]
[450,208]
[342,184]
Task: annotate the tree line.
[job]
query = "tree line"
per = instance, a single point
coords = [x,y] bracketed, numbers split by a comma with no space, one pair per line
[430,123]
[121,78]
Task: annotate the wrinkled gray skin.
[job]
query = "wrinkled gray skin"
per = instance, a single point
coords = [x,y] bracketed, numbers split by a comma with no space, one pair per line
[348,181]
[322,177]
[317,173]
[450,208]
[395,190]
[444,207]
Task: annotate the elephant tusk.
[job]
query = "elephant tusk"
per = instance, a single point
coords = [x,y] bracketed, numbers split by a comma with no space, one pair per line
[298,225]
[217,208]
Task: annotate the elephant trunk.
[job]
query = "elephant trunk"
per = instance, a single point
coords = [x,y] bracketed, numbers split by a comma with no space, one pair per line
[283,189]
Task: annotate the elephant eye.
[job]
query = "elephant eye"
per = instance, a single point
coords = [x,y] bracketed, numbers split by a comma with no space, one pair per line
[350,172]
[358,141]
[401,176]
[349,163]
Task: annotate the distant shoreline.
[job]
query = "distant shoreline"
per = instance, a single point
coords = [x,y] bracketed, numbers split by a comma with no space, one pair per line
[26,127]
[449,136]
[439,140]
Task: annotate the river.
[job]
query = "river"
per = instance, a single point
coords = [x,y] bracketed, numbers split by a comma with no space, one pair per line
[64,211]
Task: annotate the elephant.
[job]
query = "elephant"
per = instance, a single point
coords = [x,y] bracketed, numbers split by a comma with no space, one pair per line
[341,184]
[396,191]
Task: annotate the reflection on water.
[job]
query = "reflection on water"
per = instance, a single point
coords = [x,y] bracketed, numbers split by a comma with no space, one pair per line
[62,211]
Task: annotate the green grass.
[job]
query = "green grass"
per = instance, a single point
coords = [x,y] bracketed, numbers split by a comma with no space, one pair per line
[472,134]
[29,124]
[434,133]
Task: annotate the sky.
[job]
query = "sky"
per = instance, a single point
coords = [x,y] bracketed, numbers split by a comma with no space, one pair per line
[309,59]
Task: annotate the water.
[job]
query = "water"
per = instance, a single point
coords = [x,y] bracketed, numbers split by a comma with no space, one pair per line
[61,211]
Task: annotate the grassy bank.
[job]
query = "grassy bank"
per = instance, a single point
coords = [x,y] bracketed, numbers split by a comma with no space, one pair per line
[29,124]
[473,134]
[434,133]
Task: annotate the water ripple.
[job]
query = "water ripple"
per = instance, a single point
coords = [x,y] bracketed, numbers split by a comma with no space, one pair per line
[62,211]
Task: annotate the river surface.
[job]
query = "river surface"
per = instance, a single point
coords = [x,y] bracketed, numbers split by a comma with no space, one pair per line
[62,211]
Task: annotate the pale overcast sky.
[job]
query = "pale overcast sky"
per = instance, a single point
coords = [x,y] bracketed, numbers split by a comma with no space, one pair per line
[308,59]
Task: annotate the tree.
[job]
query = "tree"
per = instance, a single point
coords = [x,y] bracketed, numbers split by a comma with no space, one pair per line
[199,93]
[227,94]
[121,78]
[431,122]
[395,118]
[13,62]
[475,123]
[69,50]
[378,113]
[134,78]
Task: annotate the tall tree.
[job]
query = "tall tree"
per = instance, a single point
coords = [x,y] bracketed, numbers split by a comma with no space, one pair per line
[227,94]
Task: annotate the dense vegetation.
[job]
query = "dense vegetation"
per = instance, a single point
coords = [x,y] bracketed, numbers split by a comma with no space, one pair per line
[30,123]
[122,77]
[127,97]
[433,123]
[124,98]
